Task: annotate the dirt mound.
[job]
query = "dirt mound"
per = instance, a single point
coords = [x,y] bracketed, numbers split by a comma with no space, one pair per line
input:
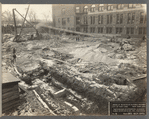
[92,54]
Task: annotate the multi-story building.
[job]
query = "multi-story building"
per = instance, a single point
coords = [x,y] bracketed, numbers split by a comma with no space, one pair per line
[102,18]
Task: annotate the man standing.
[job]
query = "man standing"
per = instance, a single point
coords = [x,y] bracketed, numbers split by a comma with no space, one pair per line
[14,56]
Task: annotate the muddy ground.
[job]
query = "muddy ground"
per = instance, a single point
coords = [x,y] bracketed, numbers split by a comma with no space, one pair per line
[77,77]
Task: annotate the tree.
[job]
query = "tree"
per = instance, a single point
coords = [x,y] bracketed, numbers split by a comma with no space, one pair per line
[46,16]
[7,17]
[32,16]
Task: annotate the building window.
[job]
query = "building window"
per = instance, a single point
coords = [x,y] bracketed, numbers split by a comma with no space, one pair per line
[119,30]
[85,19]
[120,6]
[133,18]
[130,30]
[92,19]
[92,29]
[78,20]
[110,7]
[68,20]
[138,5]
[129,18]
[63,21]
[131,5]
[58,20]
[127,31]
[100,19]
[109,30]
[101,7]
[85,9]
[78,29]
[77,9]
[63,11]
[142,17]
[100,29]
[85,29]
[142,30]
[109,19]
[93,8]
[119,19]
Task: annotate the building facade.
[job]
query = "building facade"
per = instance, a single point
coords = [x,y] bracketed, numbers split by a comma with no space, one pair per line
[121,19]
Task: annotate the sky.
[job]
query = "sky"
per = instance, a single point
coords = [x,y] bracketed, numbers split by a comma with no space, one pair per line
[37,8]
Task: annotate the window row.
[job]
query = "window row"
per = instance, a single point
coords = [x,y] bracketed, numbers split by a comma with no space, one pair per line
[119,19]
[64,20]
[101,7]
[119,30]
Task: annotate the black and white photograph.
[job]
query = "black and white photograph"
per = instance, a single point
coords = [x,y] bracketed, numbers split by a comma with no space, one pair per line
[74,59]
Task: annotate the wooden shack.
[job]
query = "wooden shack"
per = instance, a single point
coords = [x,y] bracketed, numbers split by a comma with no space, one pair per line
[10,92]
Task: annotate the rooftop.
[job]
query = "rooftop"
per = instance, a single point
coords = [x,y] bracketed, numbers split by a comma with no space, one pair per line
[9,78]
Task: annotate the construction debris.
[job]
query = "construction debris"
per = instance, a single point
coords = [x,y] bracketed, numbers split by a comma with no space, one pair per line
[60,76]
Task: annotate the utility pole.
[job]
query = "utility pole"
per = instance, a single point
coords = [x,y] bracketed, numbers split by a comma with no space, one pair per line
[15,26]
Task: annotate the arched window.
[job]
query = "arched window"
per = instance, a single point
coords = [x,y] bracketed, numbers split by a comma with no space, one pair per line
[63,11]
[101,7]
[138,5]
[110,7]
[120,6]
[77,9]
[131,5]
[85,9]
[93,8]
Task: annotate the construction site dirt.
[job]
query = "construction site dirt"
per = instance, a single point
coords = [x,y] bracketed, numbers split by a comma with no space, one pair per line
[62,76]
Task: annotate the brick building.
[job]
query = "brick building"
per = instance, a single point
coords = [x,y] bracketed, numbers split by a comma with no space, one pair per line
[102,18]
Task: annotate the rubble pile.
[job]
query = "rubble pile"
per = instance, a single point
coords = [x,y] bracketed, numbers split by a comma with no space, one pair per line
[97,89]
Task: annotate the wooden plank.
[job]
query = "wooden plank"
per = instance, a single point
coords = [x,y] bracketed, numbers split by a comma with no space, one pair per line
[23,88]
[10,108]
[15,94]
[9,85]
[139,77]
[8,94]
[10,98]
[13,102]
[16,104]
[15,87]
[43,103]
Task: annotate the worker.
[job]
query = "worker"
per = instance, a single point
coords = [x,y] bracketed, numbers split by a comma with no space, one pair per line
[14,50]
[14,56]
[128,37]
[76,38]
[143,38]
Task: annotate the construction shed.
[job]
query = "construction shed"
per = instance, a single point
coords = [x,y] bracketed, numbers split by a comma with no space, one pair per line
[10,92]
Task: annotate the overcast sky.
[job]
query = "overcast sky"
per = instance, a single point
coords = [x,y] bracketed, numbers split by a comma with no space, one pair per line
[39,9]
